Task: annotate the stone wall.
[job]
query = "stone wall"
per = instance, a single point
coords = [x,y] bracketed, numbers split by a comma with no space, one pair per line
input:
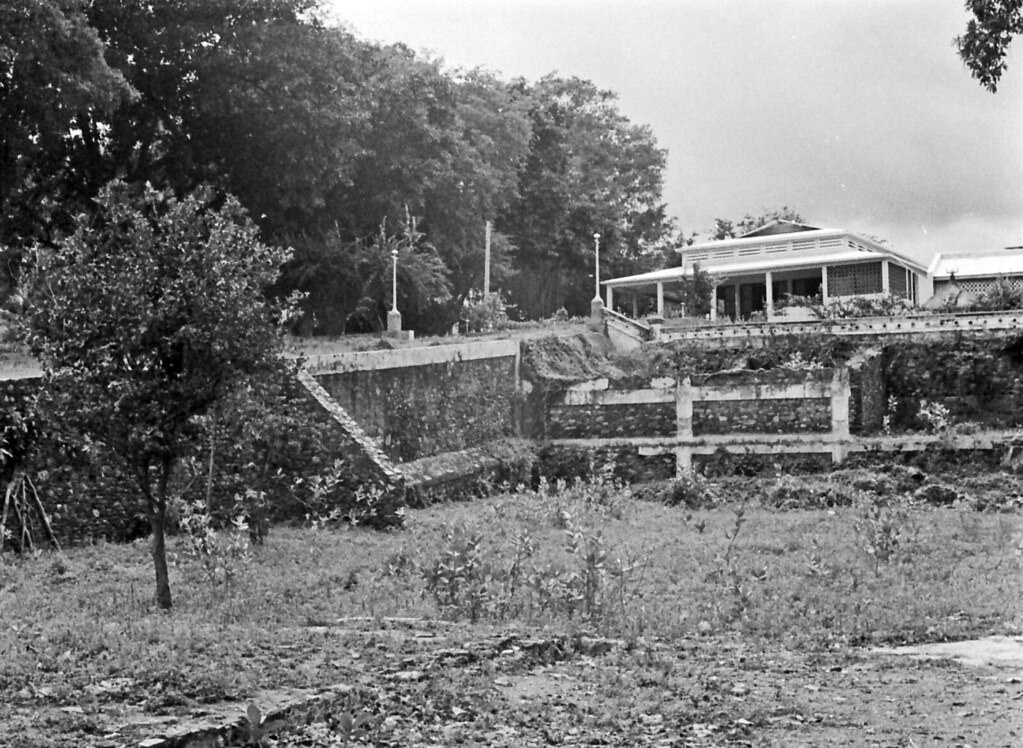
[679,423]
[779,416]
[612,420]
[427,401]
[87,496]
[867,404]
[979,380]
[631,464]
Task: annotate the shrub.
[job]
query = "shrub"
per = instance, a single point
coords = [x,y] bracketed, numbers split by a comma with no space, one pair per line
[483,313]
[691,491]
[790,492]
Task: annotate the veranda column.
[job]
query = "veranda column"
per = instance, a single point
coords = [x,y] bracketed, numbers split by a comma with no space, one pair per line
[769,284]
[635,305]
[610,293]
[713,303]
[824,284]
[660,299]
[885,283]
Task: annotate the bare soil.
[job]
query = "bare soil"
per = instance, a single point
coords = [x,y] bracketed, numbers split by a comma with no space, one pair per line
[429,684]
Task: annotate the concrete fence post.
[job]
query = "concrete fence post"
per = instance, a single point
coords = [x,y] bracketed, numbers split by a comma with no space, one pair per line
[840,393]
[684,427]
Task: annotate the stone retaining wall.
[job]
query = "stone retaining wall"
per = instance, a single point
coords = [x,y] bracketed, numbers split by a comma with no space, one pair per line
[778,411]
[419,402]
[781,416]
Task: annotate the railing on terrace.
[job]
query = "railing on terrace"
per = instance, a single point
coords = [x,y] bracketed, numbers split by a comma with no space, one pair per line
[625,331]
[852,326]
[762,247]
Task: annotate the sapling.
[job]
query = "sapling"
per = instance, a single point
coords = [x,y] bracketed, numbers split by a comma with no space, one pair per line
[146,317]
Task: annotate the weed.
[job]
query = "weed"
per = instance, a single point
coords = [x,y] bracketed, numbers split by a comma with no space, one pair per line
[891,409]
[729,572]
[221,553]
[585,583]
[881,532]
[399,563]
[257,729]
[325,507]
[458,579]
[693,492]
[523,547]
[936,417]
[790,492]
[354,724]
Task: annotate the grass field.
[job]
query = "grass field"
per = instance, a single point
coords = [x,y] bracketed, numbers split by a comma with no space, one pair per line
[738,585]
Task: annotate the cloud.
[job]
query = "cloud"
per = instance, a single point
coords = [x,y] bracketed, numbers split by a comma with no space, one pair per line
[859,115]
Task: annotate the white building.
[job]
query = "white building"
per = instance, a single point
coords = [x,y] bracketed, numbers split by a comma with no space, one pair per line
[754,272]
[973,273]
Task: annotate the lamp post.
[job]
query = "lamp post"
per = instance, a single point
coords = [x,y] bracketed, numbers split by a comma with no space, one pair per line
[394,316]
[597,304]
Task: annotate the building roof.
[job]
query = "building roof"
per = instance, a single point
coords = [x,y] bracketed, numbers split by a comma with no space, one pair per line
[977,265]
[752,266]
[806,238]
[779,227]
[799,246]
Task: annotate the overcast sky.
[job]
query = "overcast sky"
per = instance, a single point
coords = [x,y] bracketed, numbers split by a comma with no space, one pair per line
[858,114]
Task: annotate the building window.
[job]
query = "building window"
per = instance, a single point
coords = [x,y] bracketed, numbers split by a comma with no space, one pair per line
[854,280]
[898,281]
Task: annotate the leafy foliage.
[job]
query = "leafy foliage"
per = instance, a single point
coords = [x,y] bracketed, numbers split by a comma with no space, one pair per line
[989,33]
[481,314]
[588,170]
[53,75]
[726,229]
[322,137]
[148,315]
[1001,295]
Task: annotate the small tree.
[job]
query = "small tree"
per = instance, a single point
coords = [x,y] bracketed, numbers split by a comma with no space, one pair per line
[144,319]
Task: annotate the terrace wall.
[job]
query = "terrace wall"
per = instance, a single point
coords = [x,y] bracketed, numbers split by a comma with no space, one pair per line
[665,429]
[420,402]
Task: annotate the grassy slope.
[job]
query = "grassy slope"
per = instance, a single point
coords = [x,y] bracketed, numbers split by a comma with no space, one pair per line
[80,631]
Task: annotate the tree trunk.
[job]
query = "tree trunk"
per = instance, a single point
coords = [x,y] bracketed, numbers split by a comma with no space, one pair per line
[158,523]
[163,593]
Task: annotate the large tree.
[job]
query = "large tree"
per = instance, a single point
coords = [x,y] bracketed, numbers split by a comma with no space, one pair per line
[985,44]
[323,136]
[441,146]
[589,170]
[53,75]
[254,94]
[146,317]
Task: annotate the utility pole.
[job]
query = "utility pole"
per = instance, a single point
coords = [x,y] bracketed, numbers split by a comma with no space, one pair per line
[486,262]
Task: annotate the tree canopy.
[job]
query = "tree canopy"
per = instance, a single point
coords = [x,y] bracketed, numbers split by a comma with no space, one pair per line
[985,44]
[53,75]
[728,229]
[588,170]
[322,137]
[150,313]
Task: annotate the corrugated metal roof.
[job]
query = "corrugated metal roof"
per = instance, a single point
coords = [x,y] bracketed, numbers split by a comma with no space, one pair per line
[986,265]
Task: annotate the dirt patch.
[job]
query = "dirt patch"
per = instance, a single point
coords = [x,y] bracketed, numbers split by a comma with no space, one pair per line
[438,687]
[569,359]
[1000,652]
